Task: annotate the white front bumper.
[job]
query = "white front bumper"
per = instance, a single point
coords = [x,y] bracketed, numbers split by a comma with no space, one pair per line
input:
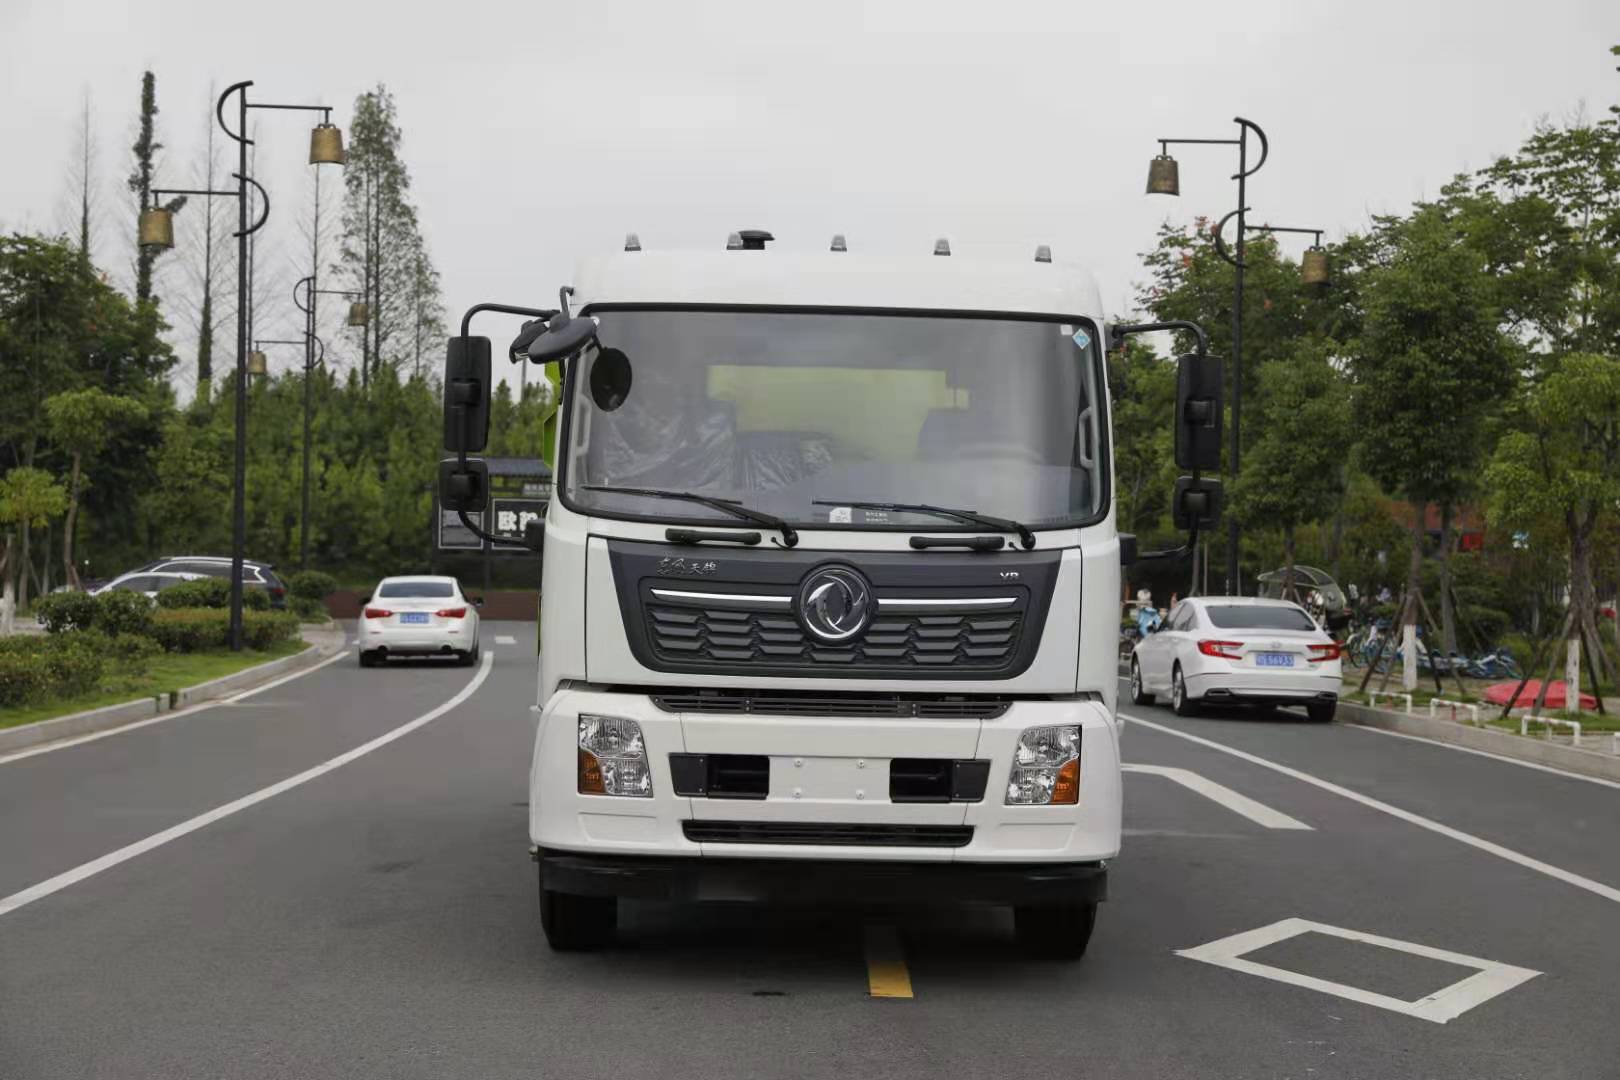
[824,769]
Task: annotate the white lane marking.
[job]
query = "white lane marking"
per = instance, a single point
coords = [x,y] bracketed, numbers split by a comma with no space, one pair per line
[161,717]
[1447,1003]
[1487,754]
[1256,812]
[156,840]
[1608,892]
[272,684]
[505,639]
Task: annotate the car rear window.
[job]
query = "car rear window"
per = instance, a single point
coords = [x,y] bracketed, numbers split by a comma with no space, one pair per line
[399,589]
[1258,617]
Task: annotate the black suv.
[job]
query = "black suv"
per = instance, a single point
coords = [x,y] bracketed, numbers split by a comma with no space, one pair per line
[255,575]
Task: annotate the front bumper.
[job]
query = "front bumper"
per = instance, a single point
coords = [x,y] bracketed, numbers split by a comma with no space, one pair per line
[793,881]
[825,771]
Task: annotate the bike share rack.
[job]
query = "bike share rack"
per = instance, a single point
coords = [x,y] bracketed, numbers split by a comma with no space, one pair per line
[1374,695]
[1524,722]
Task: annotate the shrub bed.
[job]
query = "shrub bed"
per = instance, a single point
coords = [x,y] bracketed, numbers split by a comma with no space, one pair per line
[195,629]
[211,593]
[35,668]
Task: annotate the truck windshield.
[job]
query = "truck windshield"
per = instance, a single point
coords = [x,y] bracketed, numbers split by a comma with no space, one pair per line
[804,415]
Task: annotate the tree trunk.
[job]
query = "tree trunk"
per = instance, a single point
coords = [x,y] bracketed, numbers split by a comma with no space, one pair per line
[22,570]
[1336,537]
[1448,612]
[1288,564]
[1414,580]
[69,574]
[8,598]
[1582,593]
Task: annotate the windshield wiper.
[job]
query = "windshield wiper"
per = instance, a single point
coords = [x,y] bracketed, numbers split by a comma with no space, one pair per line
[1025,537]
[790,537]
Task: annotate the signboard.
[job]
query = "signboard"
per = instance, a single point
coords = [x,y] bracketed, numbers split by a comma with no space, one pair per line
[509,516]
[453,534]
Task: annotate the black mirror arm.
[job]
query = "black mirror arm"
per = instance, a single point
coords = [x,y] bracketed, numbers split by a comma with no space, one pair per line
[1171,553]
[1120,331]
[488,538]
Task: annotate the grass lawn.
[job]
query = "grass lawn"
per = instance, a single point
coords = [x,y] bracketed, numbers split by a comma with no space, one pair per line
[163,673]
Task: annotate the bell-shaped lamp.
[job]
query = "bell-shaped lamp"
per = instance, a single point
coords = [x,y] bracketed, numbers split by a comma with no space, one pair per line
[258,363]
[157,229]
[326,145]
[358,314]
[1313,266]
[1164,176]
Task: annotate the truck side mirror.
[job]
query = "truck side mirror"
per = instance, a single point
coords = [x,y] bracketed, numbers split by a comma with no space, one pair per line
[464,486]
[466,395]
[534,535]
[1198,413]
[1127,549]
[1197,503]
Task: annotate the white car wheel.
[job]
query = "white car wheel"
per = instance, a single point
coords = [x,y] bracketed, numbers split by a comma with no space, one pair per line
[1179,701]
[1139,694]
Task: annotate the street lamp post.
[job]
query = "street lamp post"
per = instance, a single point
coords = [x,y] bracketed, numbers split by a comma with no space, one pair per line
[1164,179]
[157,230]
[308,306]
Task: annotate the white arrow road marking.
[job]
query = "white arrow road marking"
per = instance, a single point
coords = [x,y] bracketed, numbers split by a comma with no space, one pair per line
[157,840]
[1258,813]
[1447,1003]
[1608,892]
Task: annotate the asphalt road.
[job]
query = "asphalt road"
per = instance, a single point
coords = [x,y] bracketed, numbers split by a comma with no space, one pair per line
[377,918]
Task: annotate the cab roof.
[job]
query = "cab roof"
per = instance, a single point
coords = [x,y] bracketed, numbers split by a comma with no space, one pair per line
[772,278]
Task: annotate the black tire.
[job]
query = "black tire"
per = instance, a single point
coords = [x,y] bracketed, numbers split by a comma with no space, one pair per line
[468,658]
[1180,703]
[577,923]
[1054,933]
[1321,712]
[1139,696]
[368,658]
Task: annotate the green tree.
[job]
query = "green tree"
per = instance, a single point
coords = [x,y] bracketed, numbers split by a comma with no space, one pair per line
[384,255]
[28,498]
[145,153]
[82,422]
[1430,366]
[1292,476]
[1563,464]
[1143,386]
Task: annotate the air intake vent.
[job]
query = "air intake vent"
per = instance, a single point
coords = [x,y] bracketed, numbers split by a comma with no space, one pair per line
[803,703]
[817,832]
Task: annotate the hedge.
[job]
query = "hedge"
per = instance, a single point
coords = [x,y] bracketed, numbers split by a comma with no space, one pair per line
[311,584]
[211,593]
[34,668]
[64,611]
[196,629]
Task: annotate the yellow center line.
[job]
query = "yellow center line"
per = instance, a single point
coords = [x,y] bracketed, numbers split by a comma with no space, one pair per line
[886,973]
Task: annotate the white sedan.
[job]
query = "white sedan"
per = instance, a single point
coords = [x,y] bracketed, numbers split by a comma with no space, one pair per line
[419,616]
[1238,650]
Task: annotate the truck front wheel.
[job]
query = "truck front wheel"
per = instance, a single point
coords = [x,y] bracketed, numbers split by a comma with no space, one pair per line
[1054,933]
[574,923]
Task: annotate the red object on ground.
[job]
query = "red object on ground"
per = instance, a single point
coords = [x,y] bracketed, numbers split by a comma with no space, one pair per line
[1498,694]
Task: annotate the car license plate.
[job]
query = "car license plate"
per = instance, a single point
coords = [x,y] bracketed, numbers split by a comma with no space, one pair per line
[1273,659]
[414,617]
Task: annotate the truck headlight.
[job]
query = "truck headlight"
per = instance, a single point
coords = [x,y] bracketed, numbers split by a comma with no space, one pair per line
[613,758]
[1046,767]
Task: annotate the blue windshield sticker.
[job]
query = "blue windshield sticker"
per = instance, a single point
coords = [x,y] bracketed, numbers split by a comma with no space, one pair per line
[1081,338]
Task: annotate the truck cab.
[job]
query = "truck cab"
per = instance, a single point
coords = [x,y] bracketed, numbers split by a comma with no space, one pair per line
[830,588]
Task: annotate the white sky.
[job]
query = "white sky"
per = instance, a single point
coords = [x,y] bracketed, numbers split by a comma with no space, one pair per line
[536,134]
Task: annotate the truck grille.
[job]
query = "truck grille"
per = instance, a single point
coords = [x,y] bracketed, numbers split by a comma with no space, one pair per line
[810,703]
[816,832]
[943,638]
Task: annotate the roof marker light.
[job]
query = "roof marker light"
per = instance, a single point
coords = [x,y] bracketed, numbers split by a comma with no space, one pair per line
[942,246]
[734,242]
[838,242]
[632,242]
[1043,253]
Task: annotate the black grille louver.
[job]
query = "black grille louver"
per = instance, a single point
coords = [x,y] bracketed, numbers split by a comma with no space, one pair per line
[831,833]
[813,703]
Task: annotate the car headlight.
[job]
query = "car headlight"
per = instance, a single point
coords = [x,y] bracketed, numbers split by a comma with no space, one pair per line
[1046,767]
[613,758]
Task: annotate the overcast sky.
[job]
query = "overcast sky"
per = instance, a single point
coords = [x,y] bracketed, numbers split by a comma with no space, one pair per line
[537,133]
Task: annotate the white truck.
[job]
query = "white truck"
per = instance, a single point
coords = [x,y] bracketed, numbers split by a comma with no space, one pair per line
[831,582]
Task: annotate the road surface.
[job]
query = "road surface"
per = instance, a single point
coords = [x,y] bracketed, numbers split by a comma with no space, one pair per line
[330,878]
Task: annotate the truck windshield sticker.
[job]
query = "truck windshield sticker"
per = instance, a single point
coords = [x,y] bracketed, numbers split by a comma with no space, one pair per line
[1081,338]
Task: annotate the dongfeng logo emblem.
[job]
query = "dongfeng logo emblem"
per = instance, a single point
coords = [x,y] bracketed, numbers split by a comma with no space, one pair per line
[835,603]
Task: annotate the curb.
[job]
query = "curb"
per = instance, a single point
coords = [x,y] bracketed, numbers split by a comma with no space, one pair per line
[323,643]
[1500,743]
